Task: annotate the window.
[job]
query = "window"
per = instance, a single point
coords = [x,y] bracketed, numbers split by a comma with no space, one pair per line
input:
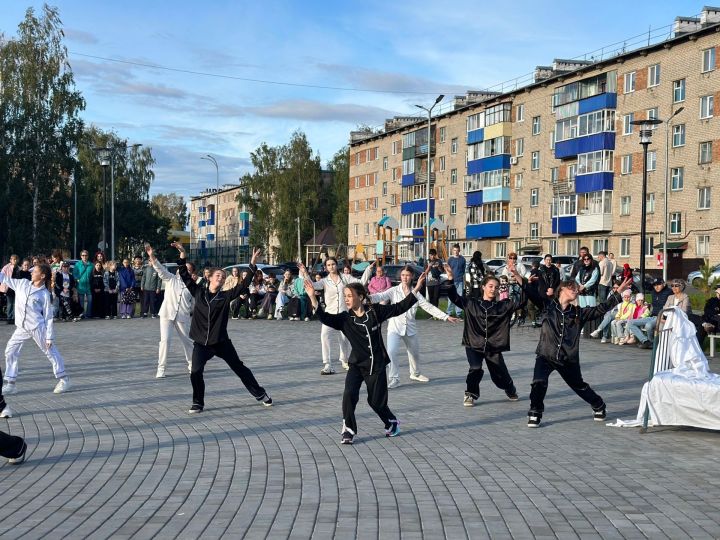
[625,205]
[384,212]
[357,182]
[501,250]
[367,229]
[703,246]
[705,152]
[706,106]
[517,214]
[442,134]
[627,123]
[585,124]
[452,234]
[453,176]
[678,135]
[534,197]
[394,174]
[453,207]
[476,121]
[552,139]
[675,223]
[534,231]
[654,75]
[356,229]
[649,205]
[708,60]
[678,90]
[356,206]
[442,163]
[518,181]
[592,162]
[535,161]
[384,189]
[519,147]
[442,193]
[652,114]
[626,164]
[649,246]
[629,82]
[599,244]
[393,199]
[572,246]
[624,247]
[552,246]
[520,113]
[652,160]
[375,179]
[554,174]
[395,147]
[704,198]
[497,113]
[454,145]
[536,125]
[677,177]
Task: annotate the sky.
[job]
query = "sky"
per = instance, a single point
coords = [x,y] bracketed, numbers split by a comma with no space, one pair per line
[221,77]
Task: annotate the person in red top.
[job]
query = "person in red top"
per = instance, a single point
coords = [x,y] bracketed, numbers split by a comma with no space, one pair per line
[379,282]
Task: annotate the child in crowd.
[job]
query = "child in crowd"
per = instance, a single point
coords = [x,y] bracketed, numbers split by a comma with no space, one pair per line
[127,290]
[65,292]
[111,282]
[97,287]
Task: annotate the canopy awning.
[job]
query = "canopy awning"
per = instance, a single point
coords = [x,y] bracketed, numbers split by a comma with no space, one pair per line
[528,248]
[672,245]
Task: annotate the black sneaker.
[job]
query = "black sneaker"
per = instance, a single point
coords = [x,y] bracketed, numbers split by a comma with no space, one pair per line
[195,409]
[18,460]
[346,438]
[645,344]
[512,395]
[533,420]
[393,430]
[266,400]
[600,415]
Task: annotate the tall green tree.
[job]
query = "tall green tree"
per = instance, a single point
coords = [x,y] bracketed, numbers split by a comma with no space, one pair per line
[172,207]
[340,166]
[40,129]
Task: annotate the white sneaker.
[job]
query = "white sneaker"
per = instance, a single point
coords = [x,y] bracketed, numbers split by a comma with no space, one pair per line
[327,370]
[160,374]
[469,401]
[595,334]
[9,388]
[189,368]
[345,365]
[419,378]
[7,412]
[394,382]
[604,340]
[62,386]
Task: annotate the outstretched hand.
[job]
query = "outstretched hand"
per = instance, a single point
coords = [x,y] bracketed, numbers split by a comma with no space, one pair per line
[148,249]
[302,268]
[255,254]
[448,271]
[453,320]
[176,245]
[626,284]
[420,282]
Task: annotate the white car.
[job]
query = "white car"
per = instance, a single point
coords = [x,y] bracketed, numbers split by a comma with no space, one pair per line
[493,264]
[695,278]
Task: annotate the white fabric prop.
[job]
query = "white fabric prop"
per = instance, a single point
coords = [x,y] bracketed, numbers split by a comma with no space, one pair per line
[686,395]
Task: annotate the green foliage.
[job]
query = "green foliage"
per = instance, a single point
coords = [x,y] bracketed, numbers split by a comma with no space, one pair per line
[697,301]
[171,207]
[340,166]
[707,282]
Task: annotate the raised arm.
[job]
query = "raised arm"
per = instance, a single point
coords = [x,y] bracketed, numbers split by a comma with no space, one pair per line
[162,272]
[432,310]
[367,274]
[13,283]
[383,296]
[453,296]
[393,310]
[317,285]
[333,321]
[183,271]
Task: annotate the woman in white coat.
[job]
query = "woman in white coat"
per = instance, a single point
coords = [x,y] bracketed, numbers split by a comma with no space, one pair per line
[175,312]
[33,320]
[333,286]
[403,327]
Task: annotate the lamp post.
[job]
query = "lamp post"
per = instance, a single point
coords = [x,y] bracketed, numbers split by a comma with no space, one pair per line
[313,222]
[104,162]
[646,132]
[212,160]
[667,190]
[427,187]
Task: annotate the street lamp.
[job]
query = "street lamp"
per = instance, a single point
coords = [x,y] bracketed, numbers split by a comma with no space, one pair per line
[313,222]
[646,132]
[427,187]
[212,160]
[667,190]
[104,155]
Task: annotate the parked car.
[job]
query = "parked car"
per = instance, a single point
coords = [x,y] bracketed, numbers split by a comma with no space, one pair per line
[292,266]
[266,269]
[493,264]
[695,278]
[649,278]
[566,263]
[527,260]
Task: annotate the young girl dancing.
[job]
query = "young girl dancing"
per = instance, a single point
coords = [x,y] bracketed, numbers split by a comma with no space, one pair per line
[33,320]
[360,324]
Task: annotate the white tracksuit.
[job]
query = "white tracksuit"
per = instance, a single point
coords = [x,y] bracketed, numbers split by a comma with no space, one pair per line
[33,319]
[335,303]
[403,328]
[175,312]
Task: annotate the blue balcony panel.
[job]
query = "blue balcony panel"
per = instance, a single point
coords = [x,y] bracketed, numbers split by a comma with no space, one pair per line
[475,136]
[413,207]
[408,179]
[582,145]
[201,223]
[211,237]
[496,194]
[492,163]
[597,103]
[418,233]
[497,229]
[567,224]
[586,183]
[474,198]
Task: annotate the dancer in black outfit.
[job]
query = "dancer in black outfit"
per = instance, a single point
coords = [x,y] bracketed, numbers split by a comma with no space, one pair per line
[208,330]
[361,325]
[486,334]
[559,348]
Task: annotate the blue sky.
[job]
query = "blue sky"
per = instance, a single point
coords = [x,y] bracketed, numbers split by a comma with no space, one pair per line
[407,52]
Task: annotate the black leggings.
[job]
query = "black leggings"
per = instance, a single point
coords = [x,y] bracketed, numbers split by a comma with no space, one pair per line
[572,376]
[226,351]
[496,366]
[377,396]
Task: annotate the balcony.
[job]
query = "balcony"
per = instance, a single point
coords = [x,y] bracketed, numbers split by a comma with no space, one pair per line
[495,229]
[598,181]
[421,177]
[593,222]
[564,225]
[500,161]
[422,149]
[496,194]
[417,206]
[583,145]
[475,136]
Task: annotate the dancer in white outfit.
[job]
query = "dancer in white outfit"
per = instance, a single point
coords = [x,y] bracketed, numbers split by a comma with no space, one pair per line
[333,286]
[175,312]
[33,320]
[403,327]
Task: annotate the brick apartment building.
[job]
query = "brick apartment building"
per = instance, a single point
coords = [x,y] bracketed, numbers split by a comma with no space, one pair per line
[557,164]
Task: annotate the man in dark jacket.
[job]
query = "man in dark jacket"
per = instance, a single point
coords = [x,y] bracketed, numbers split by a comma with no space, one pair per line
[208,330]
[711,313]
[643,328]
[559,349]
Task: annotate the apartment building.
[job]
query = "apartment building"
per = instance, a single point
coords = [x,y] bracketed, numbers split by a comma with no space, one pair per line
[557,164]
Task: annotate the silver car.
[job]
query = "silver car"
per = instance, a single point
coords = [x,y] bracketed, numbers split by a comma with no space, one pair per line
[696,277]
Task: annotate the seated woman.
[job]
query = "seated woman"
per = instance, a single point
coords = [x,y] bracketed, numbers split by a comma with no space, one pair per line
[257,292]
[271,291]
[298,307]
[711,313]
[640,311]
[379,283]
[625,311]
[285,294]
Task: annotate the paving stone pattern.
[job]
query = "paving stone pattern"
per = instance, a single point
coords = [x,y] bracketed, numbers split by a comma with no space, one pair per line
[120,457]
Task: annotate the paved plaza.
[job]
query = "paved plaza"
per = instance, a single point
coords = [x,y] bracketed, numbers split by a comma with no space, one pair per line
[120,457]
